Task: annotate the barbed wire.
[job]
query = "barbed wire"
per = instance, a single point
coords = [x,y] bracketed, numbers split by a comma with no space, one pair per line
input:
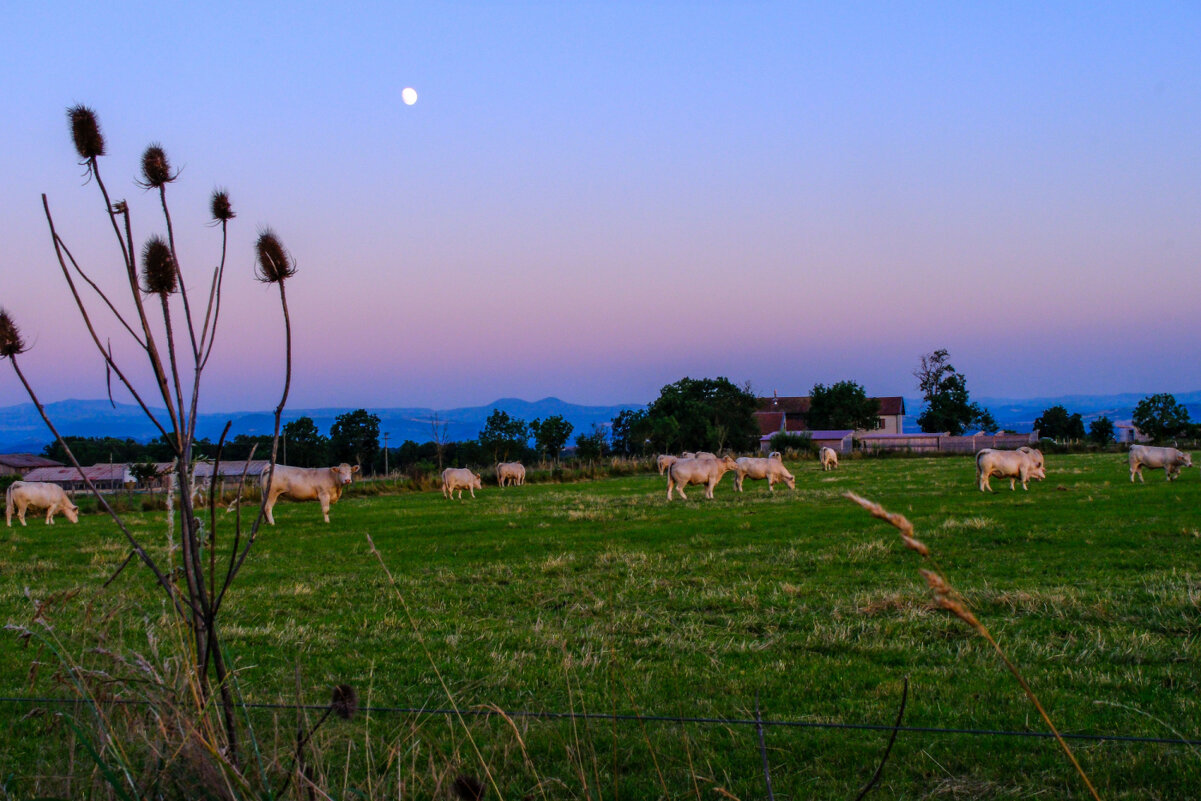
[629,717]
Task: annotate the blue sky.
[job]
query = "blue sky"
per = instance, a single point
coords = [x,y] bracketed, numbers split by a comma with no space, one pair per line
[592,200]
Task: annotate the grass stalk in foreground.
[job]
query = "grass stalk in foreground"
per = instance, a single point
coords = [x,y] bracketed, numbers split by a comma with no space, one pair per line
[946,597]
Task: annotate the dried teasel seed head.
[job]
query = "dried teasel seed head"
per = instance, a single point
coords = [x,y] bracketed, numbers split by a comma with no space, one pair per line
[85,130]
[274,263]
[222,210]
[11,343]
[345,702]
[159,273]
[469,788]
[156,170]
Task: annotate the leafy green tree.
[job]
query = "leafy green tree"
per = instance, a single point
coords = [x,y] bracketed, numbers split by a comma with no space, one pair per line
[304,443]
[1161,417]
[1057,424]
[629,432]
[551,434]
[503,435]
[144,473]
[708,414]
[592,446]
[1101,431]
[94,450]
[840,406]
[948,406]
[354,437]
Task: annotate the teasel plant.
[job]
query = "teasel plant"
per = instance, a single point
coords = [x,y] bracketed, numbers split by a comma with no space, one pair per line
[176,364]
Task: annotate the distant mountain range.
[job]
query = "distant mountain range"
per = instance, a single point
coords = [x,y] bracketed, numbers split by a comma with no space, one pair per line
[22,429]
[1019,414]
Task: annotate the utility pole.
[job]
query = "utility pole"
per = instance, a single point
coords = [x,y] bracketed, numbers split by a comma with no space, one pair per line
[385,453]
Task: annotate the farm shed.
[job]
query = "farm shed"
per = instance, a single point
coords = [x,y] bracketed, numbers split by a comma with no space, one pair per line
[103,476]
[19,464]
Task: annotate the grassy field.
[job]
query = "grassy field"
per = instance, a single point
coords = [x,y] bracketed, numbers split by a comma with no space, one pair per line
[602,597]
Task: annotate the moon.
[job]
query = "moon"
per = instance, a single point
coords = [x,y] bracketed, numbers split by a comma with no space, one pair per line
[408,95]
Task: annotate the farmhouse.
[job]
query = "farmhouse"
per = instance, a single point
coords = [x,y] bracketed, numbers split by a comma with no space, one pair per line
[787,414]
[19,464]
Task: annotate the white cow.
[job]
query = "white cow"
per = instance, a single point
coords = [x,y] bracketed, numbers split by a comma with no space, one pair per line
[51,497]
[1023,464]
[306,484]
[772,468]
[665,461]
[510,472]
[1170,459]
[459,478]
[828,457]
[698,471]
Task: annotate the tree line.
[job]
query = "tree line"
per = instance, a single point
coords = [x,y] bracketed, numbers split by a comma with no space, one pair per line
[708,414]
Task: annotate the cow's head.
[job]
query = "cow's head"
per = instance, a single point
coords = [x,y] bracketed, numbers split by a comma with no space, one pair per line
[475,481]
[1186,459]
[344,473]
[728,462]
[72,512]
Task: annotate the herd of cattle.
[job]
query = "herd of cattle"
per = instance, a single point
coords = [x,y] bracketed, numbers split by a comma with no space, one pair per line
[325,484]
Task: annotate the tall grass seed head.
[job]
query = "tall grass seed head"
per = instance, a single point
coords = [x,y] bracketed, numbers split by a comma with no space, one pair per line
[159,273]
[274,264]
[11,343]
[156,170]
[220,206]
[85,131]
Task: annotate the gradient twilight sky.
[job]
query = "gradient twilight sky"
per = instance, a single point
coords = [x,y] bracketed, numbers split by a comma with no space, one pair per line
[591,200]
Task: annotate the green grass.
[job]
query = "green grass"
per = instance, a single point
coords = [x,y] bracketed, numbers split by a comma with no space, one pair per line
[601,596]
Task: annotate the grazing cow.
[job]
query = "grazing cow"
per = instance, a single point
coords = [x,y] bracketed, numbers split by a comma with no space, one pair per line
[511,473]
[665,461]
[459,478]
[1170,459]
[698,471]
[306,484]
[1023,464]
[51,497]
[772,468]
[828,457]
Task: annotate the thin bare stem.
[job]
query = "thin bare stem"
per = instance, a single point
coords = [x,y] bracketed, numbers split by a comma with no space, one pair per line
[896,726]
[96,288]
[83,312]
[163,581]
[183,290]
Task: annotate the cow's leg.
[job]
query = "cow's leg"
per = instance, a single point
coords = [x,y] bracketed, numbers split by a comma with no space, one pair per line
[670,486]
[324,498]
[50,514]
[1013,480]
[21,512]
[469,489]
[272,497]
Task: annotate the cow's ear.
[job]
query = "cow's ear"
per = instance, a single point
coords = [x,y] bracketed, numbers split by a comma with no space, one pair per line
[354,469]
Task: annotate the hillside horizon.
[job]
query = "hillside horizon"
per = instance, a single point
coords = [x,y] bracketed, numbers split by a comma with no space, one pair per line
[22,429]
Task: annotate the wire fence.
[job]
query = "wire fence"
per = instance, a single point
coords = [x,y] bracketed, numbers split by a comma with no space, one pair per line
[667,719]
